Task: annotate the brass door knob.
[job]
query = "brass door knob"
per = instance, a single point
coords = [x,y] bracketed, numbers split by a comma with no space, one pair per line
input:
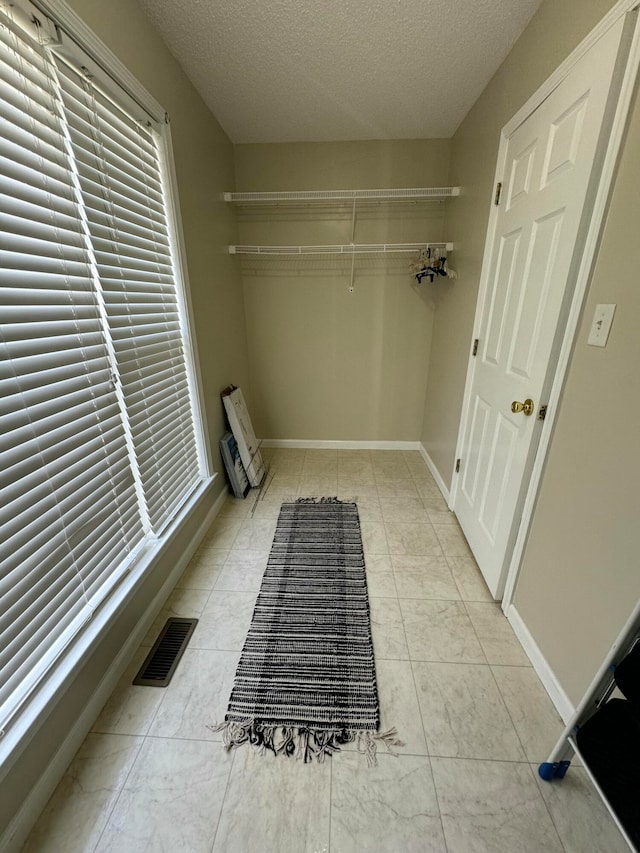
[526,407]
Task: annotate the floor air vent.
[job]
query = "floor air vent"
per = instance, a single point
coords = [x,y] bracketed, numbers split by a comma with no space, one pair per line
[162,660]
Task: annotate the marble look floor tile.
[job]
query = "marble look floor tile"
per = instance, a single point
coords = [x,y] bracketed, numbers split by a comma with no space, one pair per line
[346,455]
[321,454]
[357,486]
[197,697]
[407,510]
[131,708]
[368,506]
[171,800]
[278,486]
[267,509]
[381,585]
[581,818]
[439,517]
[463,713]
[388,460]
[399,706]
[452,540]
[440,631]
[500,644]
[380,579]
[237,507]
[255,534]
[469,579]
[222,533]
[431,495]
[243,571]
[414,460]
[361,469]
[378,563]
[392,475]
[423,475]
[318,487]
[387,808]
[285,496]
[225,621]
[351,460]
[77,813]
[202,574]
[314,467]
[273,808]
[397,488]
[536,720]
[278,453]
[387,629]
[417,540]
[374,538]
[287,465]
[492,807]
[424,577]
[182,602]
[209,553]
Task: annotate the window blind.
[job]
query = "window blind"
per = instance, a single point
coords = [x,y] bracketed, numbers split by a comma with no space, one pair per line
[67,492]
[119,171]
[98,447]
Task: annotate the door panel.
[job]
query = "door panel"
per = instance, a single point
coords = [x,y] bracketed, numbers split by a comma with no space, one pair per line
[548,169]
[564,141]
[498,323]
[499,464]
[521,171]
[540,264]
[477,440]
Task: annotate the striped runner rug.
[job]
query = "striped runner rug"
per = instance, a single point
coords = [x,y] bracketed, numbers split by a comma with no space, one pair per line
[306,684]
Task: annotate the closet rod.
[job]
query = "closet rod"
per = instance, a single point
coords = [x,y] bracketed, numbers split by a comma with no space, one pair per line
[346,249]
[345,195]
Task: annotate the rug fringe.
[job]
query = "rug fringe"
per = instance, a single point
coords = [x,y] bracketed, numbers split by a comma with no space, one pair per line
[319,501]
[303,743]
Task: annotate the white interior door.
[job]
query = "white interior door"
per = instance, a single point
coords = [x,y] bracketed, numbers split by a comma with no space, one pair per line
[550,166]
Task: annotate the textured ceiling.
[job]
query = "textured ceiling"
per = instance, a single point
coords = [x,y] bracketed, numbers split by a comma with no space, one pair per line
[317,70]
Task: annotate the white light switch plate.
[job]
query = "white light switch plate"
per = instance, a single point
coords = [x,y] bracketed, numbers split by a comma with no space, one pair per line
[601,326]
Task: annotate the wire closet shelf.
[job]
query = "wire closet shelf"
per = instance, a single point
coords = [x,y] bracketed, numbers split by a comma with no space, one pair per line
[344,249]
[401,194]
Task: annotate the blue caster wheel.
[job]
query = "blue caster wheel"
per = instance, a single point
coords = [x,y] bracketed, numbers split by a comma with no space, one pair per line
[547,770]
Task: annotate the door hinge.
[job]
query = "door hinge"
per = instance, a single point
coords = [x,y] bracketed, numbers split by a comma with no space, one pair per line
[475,346]
[498,193]
[542,412]
[457,466]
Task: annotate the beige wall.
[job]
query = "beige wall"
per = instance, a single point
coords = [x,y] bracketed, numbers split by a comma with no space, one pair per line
[327,363]
[580,575]
[204,163]
[551,35]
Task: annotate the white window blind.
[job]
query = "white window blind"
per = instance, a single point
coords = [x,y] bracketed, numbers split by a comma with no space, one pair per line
[97,447]
[119,171]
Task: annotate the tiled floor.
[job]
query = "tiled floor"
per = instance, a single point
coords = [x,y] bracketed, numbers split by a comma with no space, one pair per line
[452,678]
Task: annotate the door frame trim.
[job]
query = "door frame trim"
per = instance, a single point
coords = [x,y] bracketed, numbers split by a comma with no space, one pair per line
[587,262]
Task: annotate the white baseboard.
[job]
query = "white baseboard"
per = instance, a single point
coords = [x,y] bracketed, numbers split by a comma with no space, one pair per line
[564,705]
[434,472]
[18,830]
[313,444]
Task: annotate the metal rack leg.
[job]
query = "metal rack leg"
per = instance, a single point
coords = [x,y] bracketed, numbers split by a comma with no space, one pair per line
[599,691]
